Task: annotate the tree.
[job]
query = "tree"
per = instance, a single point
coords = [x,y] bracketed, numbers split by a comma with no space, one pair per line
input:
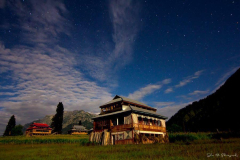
[17,130]
[57,119]
[10,126]
[174,128]
[80,123]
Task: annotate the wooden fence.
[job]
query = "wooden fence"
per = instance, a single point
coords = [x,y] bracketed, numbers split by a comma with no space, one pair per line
[137,126]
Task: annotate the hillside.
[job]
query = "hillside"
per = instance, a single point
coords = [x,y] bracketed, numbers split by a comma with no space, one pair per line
[219,110]
[69,118]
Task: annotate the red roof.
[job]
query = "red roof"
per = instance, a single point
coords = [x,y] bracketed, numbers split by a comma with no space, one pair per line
[40,125]
[37,125]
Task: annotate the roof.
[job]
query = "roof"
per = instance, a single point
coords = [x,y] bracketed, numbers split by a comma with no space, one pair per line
[121,98]
[37,125]
[148,112]
[135,110]
[79,127]
[40,125]
[113,113]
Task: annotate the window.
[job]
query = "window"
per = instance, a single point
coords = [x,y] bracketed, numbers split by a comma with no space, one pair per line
[121,120]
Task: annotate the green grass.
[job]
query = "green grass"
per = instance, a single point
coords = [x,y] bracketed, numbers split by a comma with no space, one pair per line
[188,137]
[181,146]
[196,150]
[82,139]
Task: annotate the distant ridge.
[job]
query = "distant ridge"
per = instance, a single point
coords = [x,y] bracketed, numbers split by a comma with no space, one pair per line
[219,110]
[69,119]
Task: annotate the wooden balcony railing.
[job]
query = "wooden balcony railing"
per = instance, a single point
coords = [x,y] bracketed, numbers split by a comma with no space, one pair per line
[137,126]
[122,127]
[144,127]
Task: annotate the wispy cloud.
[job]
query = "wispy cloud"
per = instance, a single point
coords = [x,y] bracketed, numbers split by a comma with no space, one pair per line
[163,104]
[189,79]
[147,90]
[142,92]
[226,75]
[198,92]
[40,21]
[2,3]
[166,81]
[185,81]
[193,95]
[168,90]
[170,108]
[45,78]
[124,15]
[36,77]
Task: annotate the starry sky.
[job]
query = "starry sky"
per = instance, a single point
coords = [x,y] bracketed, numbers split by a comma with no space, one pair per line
[166,54]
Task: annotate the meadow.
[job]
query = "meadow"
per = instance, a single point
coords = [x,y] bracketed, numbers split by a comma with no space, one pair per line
[185,148]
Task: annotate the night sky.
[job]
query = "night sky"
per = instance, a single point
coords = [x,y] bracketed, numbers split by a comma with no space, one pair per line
[166,54]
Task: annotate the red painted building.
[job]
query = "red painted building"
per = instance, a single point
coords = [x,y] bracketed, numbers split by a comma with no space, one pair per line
[38,129]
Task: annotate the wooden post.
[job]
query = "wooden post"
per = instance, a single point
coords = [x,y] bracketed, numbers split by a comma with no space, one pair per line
[94,125]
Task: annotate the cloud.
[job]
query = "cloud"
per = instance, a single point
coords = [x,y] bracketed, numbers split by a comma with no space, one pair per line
[2,3]
[170,109]
[189,79]
[42,77]
[166,81]
[34,78]
[198,92]
[142,92]
[162,104]
[40,21]
[184,82]
[226,75]
[109,60]
[168,90]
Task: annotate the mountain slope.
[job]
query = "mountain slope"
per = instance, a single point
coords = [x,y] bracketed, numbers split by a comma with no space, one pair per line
[69,118]
[219,110]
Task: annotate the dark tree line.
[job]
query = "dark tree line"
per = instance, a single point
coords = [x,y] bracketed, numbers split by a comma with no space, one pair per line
[217,111]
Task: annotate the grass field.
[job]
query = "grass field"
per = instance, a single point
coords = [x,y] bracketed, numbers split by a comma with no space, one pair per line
[81,139]
[204,148]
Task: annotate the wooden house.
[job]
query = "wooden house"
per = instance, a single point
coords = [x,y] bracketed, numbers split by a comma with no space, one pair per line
[78,129]
[38,129]
[126,121]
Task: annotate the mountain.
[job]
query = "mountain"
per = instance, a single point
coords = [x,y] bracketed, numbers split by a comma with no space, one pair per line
[219,110]
[69,119]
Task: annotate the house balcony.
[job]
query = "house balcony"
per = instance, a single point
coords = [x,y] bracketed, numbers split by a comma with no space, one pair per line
[122,127]
[144,127]
[137,126]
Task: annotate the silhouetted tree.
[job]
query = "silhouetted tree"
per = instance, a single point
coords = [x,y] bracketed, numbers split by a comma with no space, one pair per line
[10,126]
[217,111]
[17,130]
[57,119]
[80,123]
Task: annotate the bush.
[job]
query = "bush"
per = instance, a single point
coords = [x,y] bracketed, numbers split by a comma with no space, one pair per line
[186,137]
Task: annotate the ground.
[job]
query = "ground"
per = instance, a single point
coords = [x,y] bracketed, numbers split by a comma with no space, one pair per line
[200,149]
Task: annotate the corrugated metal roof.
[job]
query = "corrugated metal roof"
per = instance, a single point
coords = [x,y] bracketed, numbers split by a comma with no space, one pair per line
[121,98]
[113,113]
[134,109]
[148,112]
[79,127]
[133,101]
[113,101]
